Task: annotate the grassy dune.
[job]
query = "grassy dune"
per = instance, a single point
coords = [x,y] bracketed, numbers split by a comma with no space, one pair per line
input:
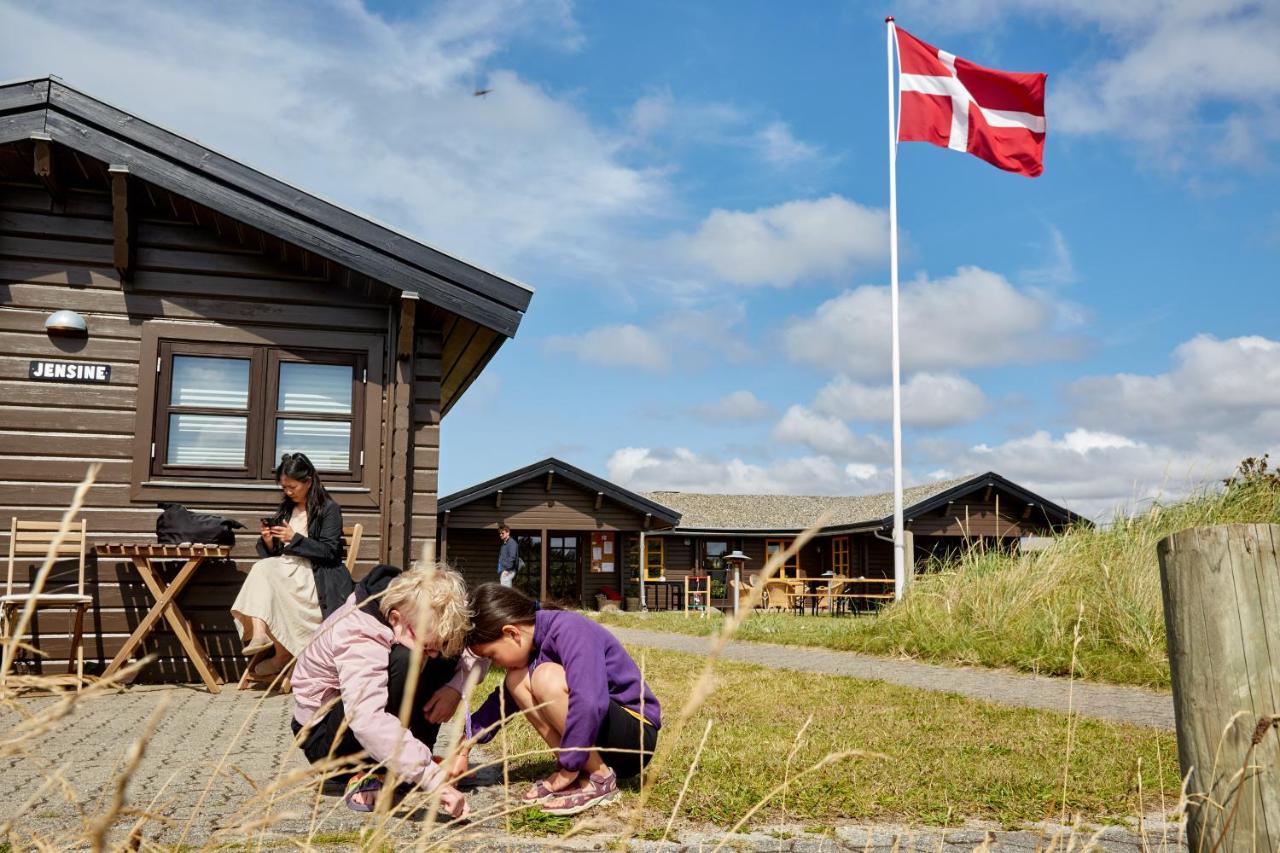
[1021,610]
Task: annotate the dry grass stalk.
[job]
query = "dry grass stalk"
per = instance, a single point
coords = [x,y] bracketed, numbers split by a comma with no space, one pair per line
[791,756]
[1071,714]
[684,788]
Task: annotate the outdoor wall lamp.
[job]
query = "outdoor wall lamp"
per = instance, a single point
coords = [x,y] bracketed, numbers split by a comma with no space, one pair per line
[67,323]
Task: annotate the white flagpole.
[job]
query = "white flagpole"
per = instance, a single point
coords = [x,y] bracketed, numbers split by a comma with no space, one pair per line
[899,540]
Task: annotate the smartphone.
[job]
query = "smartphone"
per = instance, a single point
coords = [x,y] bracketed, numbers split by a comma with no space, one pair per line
[268,521]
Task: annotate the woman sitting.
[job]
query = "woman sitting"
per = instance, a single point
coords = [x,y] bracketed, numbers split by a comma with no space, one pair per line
[301,578]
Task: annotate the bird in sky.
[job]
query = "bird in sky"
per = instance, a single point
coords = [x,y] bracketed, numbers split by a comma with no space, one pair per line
[480,93]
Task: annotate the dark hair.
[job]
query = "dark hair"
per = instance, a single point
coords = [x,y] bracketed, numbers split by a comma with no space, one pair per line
[495,606]
[298,467]
[502,527]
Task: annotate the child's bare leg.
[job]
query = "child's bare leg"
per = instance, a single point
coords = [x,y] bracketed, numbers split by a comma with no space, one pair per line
[550,689]
[518,686]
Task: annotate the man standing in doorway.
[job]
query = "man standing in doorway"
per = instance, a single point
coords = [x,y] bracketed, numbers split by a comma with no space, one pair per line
[508,557]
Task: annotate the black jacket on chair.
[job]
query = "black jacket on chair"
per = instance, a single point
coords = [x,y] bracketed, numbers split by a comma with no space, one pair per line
[323,547]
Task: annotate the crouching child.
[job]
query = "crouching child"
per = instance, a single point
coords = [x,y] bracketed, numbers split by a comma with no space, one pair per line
[579,688]
[360,657]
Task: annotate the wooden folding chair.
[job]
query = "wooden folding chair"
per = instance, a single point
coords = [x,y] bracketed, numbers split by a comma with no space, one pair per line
[351,534]
[33,539]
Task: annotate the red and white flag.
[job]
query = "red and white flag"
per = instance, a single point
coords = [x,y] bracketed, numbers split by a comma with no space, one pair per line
[953,103]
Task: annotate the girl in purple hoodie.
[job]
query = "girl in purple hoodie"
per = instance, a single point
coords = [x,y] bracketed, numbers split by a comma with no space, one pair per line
[596,711]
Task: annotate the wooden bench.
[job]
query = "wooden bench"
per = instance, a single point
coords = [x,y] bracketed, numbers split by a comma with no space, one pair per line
[351,536]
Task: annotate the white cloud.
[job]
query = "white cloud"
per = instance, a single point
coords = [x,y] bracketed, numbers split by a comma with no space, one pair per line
[1218,390]
[736,407]
[826,435]
[515,179]
[614,346]
[798,240]
[779,147]
[928,400]
[681,469]
[974,318]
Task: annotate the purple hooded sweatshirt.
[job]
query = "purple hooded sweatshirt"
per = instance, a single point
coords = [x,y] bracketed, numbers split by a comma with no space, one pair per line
[597,668]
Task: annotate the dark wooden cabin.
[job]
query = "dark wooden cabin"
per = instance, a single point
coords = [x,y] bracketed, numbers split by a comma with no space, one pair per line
[238,317]
[697,529]
[577,532]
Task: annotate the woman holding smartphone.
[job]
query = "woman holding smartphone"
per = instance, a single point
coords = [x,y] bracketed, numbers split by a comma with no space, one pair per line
[301,577]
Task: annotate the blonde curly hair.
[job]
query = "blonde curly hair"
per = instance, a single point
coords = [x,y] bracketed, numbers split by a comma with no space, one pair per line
[443,593]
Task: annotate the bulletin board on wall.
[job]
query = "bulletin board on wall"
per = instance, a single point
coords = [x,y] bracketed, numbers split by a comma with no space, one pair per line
[604,552]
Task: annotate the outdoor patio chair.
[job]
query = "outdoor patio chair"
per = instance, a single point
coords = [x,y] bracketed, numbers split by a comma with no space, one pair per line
[779,594]
[351,534]
[744,592]
[32,539]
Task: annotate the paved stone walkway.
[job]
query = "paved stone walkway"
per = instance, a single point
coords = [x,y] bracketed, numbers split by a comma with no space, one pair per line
[178,781]
[1102,701]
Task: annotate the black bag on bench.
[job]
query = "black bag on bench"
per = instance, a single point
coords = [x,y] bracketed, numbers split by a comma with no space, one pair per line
[177,524]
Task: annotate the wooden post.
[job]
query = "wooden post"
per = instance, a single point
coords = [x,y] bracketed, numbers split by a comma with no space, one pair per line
[644,570]
[1221,590]
[543,557]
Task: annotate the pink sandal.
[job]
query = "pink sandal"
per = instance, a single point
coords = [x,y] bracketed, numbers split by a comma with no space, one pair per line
[601,788]
[539,793]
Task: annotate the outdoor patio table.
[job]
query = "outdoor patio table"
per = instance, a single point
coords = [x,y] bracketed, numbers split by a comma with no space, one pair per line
[166,600]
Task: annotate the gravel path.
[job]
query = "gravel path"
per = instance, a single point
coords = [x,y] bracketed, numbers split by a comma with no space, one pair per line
[1102,701]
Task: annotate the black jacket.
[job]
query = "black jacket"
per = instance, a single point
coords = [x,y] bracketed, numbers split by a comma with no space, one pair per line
[509,556]
[324,548]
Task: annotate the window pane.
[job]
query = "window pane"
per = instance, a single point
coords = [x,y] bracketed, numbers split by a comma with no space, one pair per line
[315,388]
[326,443]
[206,441]
[213,383]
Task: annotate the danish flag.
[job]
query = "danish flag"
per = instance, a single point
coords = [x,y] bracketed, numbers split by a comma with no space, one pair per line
[956,104]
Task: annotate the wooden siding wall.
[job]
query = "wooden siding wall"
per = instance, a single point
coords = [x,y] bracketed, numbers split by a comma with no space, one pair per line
[425,446]
[975,516]
[50,432]
[474,553]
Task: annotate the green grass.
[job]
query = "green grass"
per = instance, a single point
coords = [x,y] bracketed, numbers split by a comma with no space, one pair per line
[945,758]
[1020,611]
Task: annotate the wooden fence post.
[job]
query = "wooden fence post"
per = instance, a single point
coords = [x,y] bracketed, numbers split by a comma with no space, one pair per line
[1221,589]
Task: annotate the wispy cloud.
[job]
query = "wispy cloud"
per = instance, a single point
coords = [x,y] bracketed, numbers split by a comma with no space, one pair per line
[779,147]
[735,407]
[623,345]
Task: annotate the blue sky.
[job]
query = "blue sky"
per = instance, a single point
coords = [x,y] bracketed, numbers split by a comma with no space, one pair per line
[698,193]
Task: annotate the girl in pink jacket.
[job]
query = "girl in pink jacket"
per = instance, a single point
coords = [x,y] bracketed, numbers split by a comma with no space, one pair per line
[355,670]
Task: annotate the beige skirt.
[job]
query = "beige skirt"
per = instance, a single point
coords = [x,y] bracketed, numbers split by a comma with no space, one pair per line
[281,591]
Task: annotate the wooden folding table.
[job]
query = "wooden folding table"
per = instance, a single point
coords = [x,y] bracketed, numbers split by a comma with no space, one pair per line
[166,600]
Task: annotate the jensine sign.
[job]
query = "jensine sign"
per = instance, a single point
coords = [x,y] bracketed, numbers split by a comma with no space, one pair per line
[69,371]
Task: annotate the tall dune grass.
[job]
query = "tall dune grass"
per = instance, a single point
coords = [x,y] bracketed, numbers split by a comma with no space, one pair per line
[1021,610]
